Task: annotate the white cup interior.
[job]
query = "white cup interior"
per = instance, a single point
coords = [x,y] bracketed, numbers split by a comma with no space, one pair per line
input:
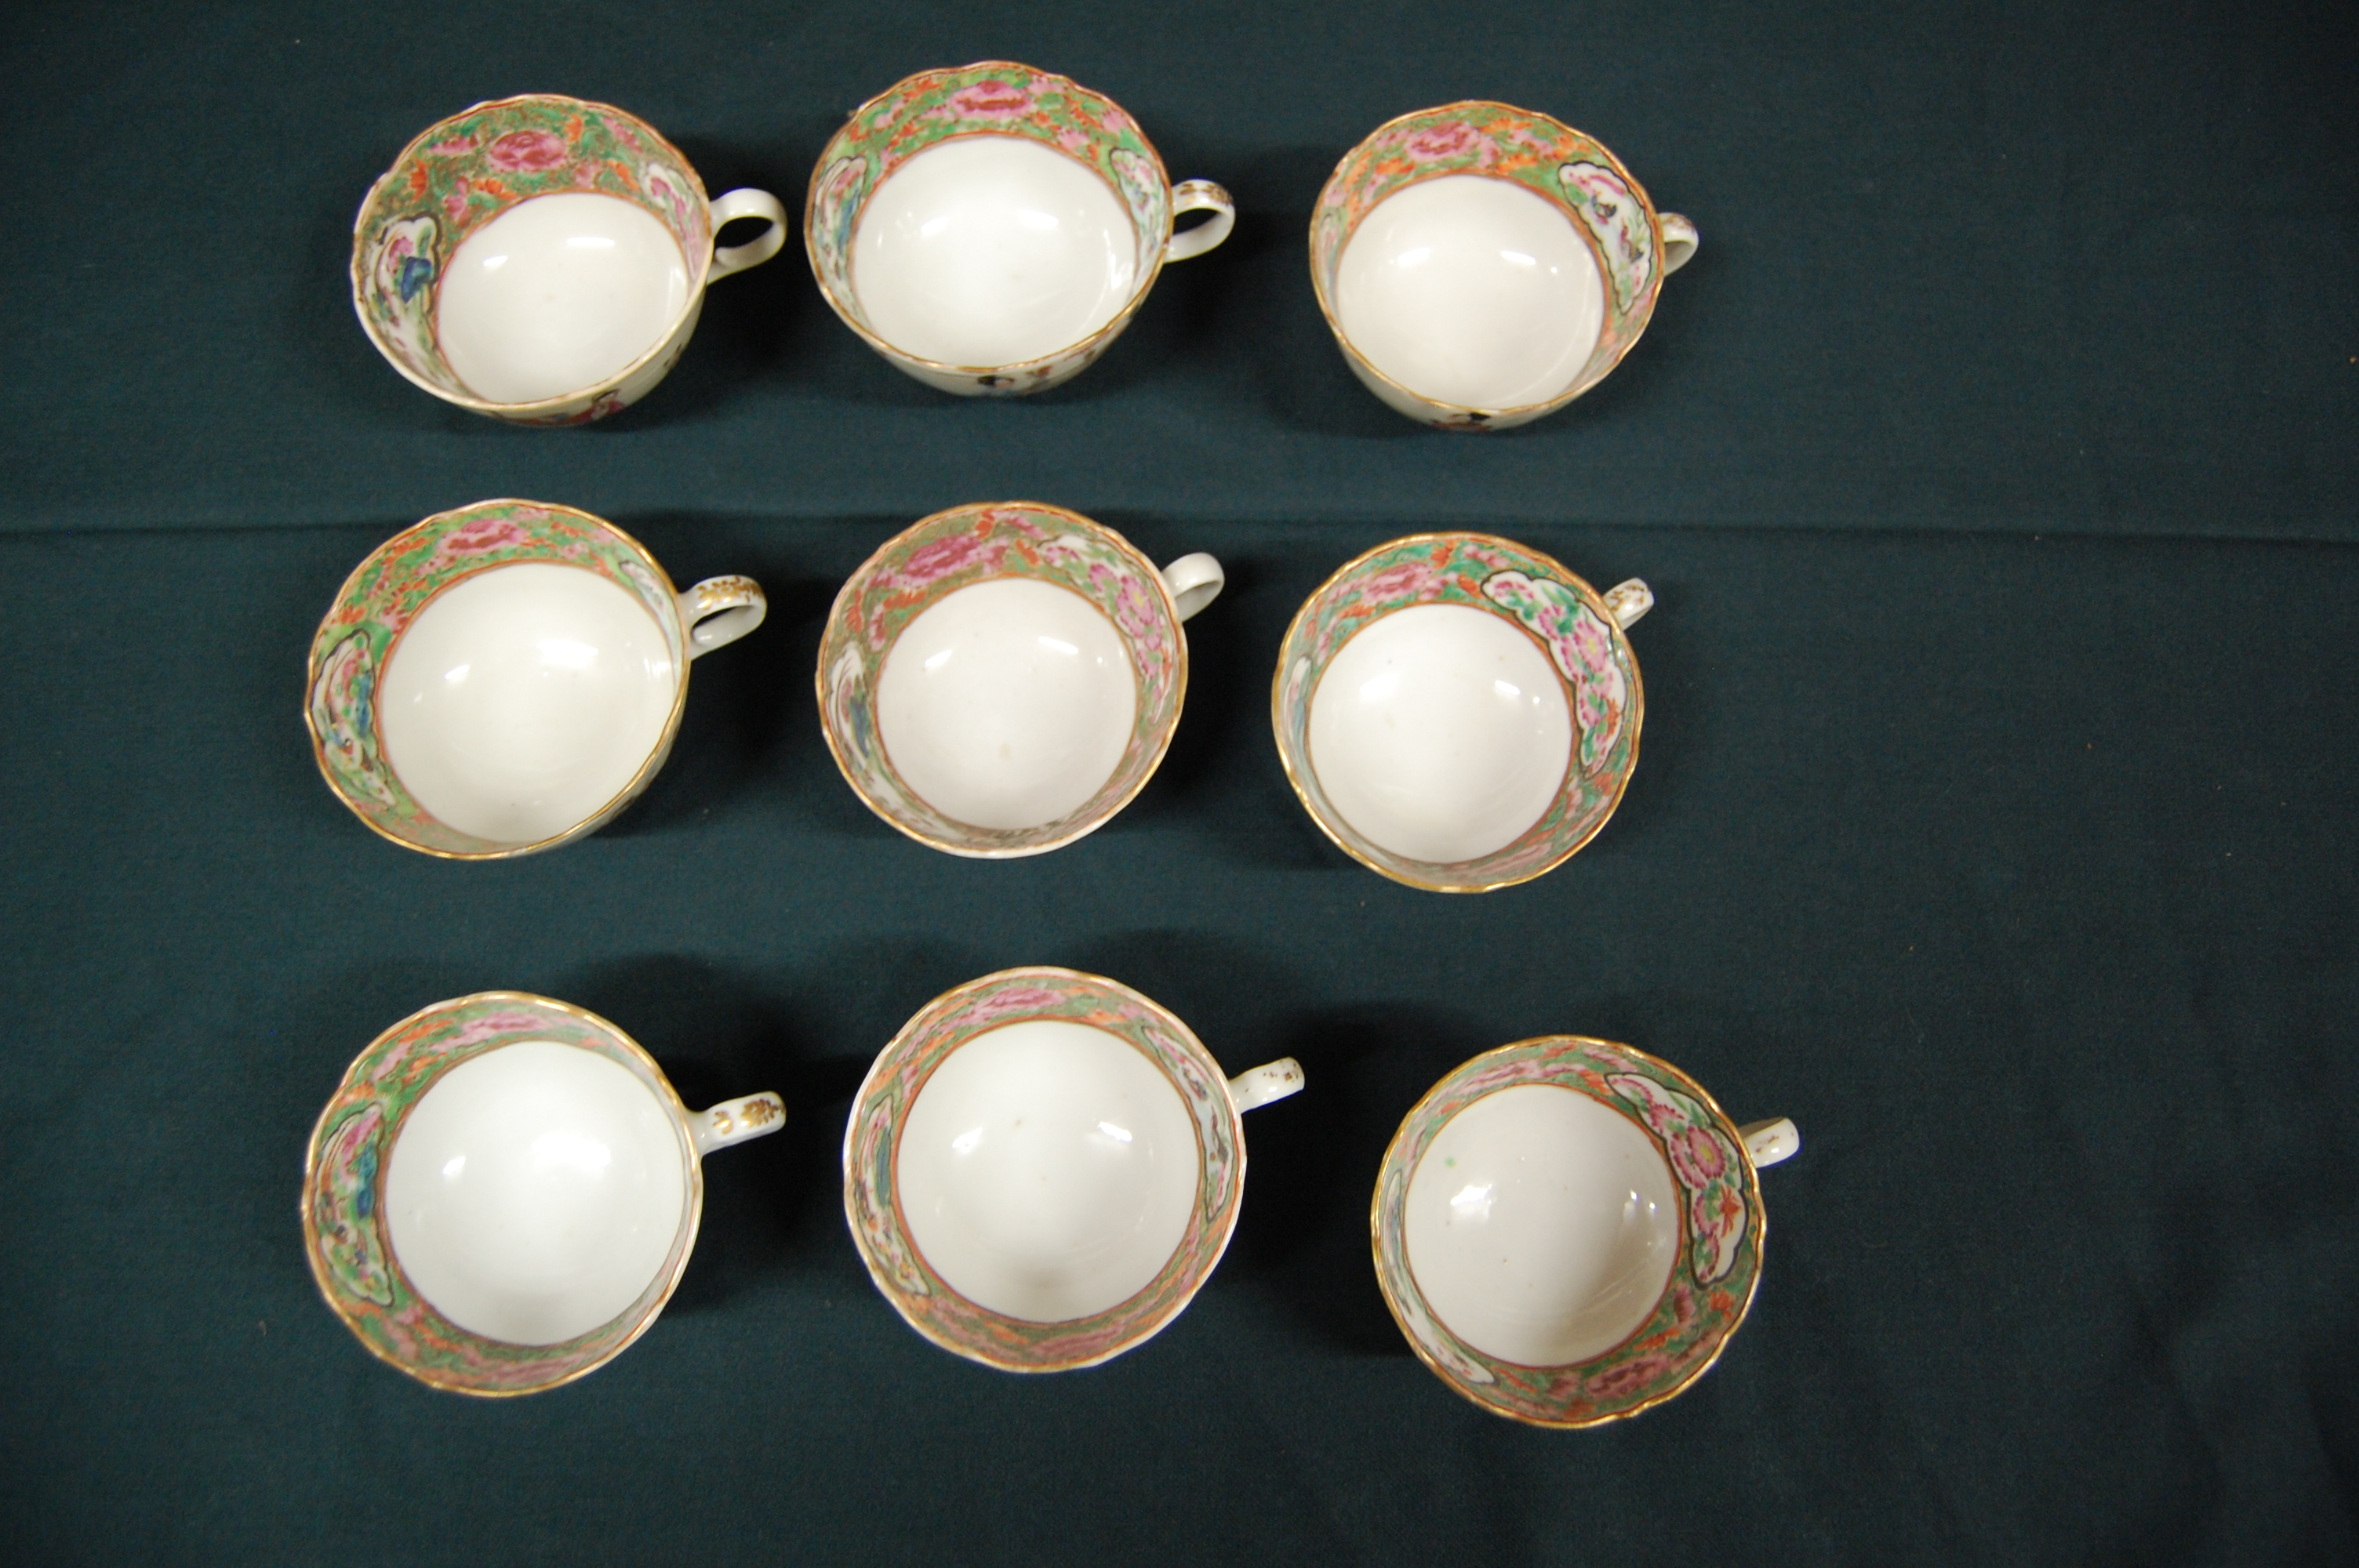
[1471,291]
[1541,1226]
[1007,703]
[557,294]
[535,1191]
[1439,732]
[525,698]
[989,250]
[1048,1170]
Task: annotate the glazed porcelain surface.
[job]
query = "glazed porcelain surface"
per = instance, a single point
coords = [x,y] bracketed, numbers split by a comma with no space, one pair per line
[1568,1230]
[1047,1171]
[503,1190]
[526,697]
[1441,733]
[536,1191]
[558,293]
[991,230]
[1007,704]
[543,259]
[1541,1226]
[1482,266]
[999,680]
[1471,291]
[992,250]
[504,677]
[1458,712]
[1043,1166]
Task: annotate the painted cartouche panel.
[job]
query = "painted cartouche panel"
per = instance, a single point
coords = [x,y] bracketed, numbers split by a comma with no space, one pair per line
[467,170]
[344,1198]
[1562,613]
[872,1143]
[952,550]
[1710,1286]
[386,592]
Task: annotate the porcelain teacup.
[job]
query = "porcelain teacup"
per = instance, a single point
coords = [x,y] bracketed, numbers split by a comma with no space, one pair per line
[504,677]
[503,1190]
[1568,1230]
[1043,1167]
[1000,679]
[1483,266]
[991,229]
[543,259]
[1458,712]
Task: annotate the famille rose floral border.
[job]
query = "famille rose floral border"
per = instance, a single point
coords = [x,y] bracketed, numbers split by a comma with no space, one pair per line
[990,98]
[344,1196]
[1572,172]
[1722,1229]
[461,173]
[1563,614]
[387,591]
[872,1146]
[934,558]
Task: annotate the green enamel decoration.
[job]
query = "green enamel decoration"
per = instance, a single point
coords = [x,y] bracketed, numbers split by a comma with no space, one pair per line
[872,1143]
[1712,1284]
[343,1192]
[1561,613]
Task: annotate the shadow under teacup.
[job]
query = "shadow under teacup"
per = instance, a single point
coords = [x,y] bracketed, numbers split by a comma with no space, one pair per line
[1483,266]
[1568,1230]
[1458,712]
[991,229]
[504,677]
[1043,1167]
[543,259]
[1000,679]
[504,1190]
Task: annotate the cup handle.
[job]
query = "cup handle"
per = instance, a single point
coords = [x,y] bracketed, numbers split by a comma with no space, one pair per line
[1678,241]
[1201,195]
[1627,601]
[719,611]
[747,203]
[1272,1080]
[735,1120]
[1770,1141]
[1195,581]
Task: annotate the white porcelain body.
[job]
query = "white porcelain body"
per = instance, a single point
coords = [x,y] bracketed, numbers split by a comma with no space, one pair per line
[1048,1170]
[992,250]
[1008,703]
[1441,733]
[1471,291]
[558,293]
[536,1191]
[1542,1226]
[525,698]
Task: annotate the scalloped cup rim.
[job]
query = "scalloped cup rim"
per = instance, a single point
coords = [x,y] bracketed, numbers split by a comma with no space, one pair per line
[1015,370]
[566,403]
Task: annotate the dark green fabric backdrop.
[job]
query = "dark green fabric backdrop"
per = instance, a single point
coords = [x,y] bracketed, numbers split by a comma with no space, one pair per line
[1993,463]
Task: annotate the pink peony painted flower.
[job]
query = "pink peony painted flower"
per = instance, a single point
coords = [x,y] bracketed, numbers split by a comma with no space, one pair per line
[991,100]
[1702,1153]
[528,152]
[1439,142]
[940,557]
[1629,1377]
